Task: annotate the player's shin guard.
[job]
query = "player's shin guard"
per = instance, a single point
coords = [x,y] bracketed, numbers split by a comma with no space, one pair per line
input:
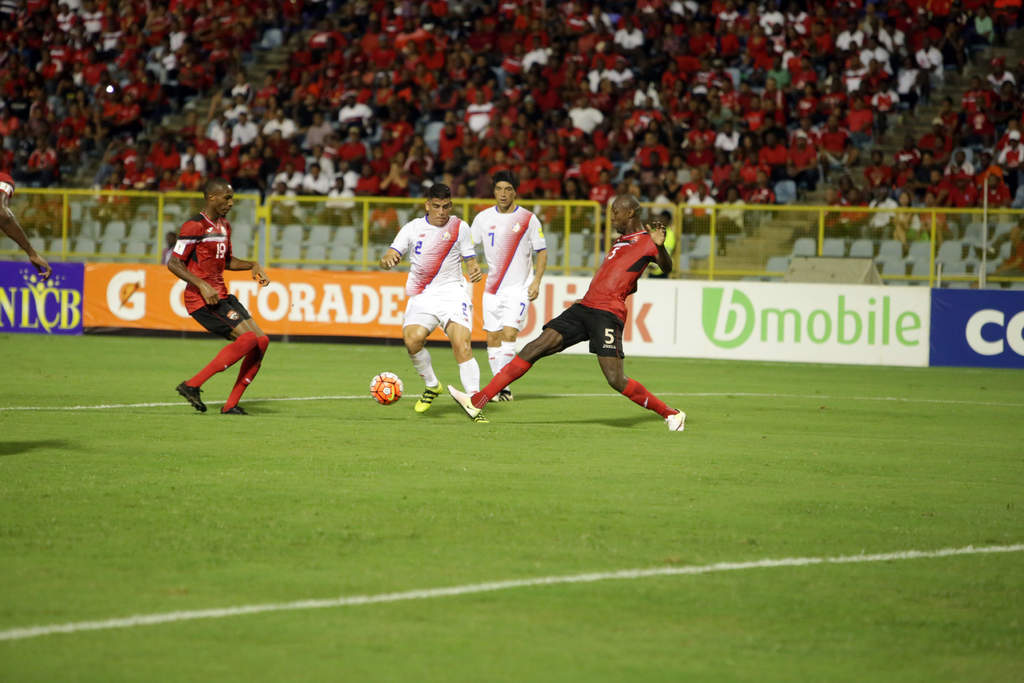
[494,359]
[469,372]
[247,372]
[515,369]
[421,361]
[227,357]
[636,393]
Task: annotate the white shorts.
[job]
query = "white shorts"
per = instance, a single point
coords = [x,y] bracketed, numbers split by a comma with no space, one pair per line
[439,307]
[505,309]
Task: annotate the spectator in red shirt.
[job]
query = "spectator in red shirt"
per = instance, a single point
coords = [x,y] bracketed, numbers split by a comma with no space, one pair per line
[603,190]
[963,194]
[802,164]
[836,154]
[652,155]
[937,141]
[762,193]
[877,173]
[42,164]
[368,184]
[775,156]
[860,121]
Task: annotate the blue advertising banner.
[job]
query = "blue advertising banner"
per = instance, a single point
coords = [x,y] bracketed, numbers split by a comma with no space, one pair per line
[29,305]
[977,328]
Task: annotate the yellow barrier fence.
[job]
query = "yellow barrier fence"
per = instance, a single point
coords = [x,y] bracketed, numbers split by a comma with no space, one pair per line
[913,245]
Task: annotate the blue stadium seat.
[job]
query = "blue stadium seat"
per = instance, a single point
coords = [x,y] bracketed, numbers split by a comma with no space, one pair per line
[805,246]
[920,251]
[785,192]
[890,249]
[951,251]
[833,246]
[701,248]
[863,248]
[777,264]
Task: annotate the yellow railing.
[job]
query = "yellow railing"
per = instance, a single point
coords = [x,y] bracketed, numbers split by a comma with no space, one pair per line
[724,241]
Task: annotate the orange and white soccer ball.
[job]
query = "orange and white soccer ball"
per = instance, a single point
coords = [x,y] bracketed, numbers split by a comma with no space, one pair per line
[386,388]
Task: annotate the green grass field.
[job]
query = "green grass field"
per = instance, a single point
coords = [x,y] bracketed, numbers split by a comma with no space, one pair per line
[122,511]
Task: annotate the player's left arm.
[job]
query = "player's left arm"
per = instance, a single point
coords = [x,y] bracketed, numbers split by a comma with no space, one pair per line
[468,253]
[540,264]
[12,228]
[657,230]
[258,274]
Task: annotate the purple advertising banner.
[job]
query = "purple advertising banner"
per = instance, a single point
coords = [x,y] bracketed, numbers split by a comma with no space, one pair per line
[28,304]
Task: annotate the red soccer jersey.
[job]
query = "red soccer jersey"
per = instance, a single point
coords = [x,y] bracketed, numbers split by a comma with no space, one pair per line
[616,279]
[205,248]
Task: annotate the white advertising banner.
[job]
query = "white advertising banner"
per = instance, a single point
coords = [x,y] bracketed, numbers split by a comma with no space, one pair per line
[768,321]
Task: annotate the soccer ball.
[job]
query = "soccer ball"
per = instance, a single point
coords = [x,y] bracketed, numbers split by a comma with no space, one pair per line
[386,388]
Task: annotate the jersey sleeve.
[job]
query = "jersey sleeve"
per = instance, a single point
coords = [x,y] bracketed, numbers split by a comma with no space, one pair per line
[466,248]
[7,185]
[402,240]
[230,252]
[536,234]
[188,237]
[476,230]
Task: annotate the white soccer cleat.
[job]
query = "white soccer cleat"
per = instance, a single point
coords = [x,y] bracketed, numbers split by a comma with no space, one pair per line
[677,422]
[465,401]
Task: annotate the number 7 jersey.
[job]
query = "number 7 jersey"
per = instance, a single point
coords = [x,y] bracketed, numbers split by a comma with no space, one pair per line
[204,246]
[509,241]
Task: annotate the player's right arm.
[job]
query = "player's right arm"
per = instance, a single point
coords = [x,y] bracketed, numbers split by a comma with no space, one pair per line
[657,230]
[183,249]
[393,256]
[12,228]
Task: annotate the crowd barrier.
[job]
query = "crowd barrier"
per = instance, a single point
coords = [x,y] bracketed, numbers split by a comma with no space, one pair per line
[764,321]
[939,247]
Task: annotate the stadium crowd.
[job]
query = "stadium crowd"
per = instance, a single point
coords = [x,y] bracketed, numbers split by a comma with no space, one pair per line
[669,100]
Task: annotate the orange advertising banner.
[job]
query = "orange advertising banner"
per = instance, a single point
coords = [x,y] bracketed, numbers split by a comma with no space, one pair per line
[297,302]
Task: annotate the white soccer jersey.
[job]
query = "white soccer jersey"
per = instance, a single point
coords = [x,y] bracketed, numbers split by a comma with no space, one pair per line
[435,254]
[509,241]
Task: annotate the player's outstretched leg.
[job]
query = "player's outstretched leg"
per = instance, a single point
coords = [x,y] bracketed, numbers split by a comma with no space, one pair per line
[512,371]
[635,392]
[246,373]
[227,357]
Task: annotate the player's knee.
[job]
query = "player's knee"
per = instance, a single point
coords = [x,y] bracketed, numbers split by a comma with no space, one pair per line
[263,342]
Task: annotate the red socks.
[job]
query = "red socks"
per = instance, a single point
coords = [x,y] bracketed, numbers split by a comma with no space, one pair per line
[227,357]
[247,372]
[512,371]
[636,393]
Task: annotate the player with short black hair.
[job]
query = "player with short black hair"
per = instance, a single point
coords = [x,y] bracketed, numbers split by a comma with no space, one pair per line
[200,256]
[12,228]
[511,236]
[599,317]
[438,296]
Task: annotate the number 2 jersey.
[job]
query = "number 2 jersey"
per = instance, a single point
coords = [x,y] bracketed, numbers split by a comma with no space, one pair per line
[509,241]
[204,246]
[616,279]
[435,253]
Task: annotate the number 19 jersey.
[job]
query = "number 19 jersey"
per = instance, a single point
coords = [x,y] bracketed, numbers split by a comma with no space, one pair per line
[509,241]
[205,247]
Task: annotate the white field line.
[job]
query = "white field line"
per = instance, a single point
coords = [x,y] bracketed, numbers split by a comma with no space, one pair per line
[607,394]
[467,589]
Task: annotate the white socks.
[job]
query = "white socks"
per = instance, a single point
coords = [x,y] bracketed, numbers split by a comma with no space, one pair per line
[470,374]
[499,356]
[421,361]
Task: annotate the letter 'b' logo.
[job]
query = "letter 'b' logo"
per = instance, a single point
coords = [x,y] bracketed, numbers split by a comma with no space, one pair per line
[727,324]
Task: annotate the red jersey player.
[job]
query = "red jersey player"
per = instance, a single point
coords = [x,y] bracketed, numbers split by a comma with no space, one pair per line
[10,226]
[600,317]
[200,256]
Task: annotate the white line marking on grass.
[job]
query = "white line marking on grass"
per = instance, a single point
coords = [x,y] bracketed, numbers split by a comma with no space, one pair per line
[467,589]
[608,394]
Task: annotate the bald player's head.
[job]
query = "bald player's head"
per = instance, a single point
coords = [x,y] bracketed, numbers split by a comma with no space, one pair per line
[215,186]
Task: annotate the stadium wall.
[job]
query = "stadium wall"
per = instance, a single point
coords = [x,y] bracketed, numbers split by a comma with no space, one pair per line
[729,320]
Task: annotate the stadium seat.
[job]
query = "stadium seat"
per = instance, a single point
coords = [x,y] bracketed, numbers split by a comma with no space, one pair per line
[139,250]
[140,230]
[919,251]
[347,235]
[340,252]
[84,245]
[554,245]
[289,252]
[833,246]
[432,135]
[319,235]
[777,264]
[951,251]
[701,248]
[805,246]
[785,192]
[316,252]
[920,269]
[577,249]
[863,248]
[290,234]
[110,246]
[114,230]
[1018,199]
[241,231]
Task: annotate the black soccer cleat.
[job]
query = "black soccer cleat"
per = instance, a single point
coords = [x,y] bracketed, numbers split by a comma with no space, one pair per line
[504,395]
[237,410]
[191,394]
